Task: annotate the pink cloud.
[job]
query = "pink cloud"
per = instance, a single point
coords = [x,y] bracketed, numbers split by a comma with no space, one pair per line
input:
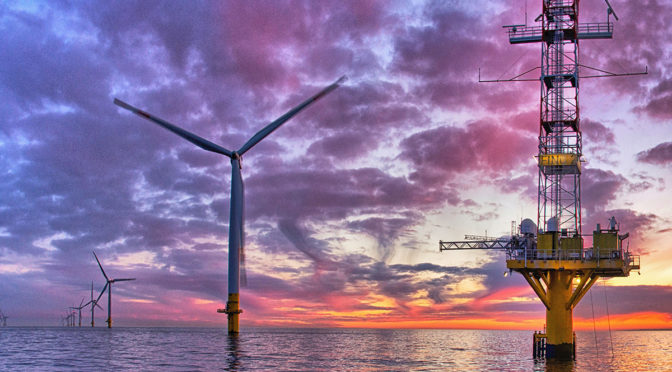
[482,146]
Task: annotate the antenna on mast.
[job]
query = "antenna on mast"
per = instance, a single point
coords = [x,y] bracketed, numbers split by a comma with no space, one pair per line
[610,11]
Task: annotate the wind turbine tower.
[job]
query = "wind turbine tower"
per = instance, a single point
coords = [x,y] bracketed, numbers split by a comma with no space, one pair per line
[236,227]
[108,286]
[550,254]
[93,303]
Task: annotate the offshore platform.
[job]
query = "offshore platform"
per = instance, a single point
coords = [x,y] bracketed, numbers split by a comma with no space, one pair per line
[550,254]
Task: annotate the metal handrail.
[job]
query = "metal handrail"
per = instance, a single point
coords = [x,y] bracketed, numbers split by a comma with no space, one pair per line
[631,260]
[595,27]
[583,28]
[525,31]
[571,254]
[560,4]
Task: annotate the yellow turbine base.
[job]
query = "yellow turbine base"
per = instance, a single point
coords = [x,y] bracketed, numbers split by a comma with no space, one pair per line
[233,312]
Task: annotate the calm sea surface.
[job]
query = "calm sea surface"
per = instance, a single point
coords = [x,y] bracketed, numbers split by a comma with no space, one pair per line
[272,349]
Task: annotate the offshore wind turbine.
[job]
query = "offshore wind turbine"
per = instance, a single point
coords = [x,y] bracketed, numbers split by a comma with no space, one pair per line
[236,227]
[70,317]
[79,308]
[72,314]
[108,286]
[93,306]
[3,319]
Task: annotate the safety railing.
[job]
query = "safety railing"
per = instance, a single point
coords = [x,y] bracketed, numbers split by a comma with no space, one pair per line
[596,28]
[632,261]
[559,3]
[541,254]
[572,254]
[524,31]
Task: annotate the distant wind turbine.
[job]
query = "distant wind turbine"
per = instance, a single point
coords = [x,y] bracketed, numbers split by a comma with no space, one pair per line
[65,320]
[3,319]
[93,306]
[79,308]
[108,286]
[236,232]
[70,316]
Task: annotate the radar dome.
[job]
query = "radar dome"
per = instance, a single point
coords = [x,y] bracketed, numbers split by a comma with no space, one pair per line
[552,224]
[528,227]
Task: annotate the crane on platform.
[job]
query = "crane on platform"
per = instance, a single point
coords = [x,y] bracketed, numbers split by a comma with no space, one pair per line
[550,253]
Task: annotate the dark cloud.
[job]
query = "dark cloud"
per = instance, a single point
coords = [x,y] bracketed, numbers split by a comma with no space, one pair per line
[300,241]
[343,146]
[372,110]
[631,49]
[482,147]
[333,194]
[421,52]
[387,230]
[659,104]
[660,154]
[639,225]
[599,188]
[596,133]
[641,181]
[525,185]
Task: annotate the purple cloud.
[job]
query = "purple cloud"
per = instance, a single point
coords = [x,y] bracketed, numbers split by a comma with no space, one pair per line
[660,154]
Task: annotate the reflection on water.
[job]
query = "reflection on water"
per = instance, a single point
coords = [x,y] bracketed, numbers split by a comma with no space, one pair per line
[555,366]
[160,349]
[233,353]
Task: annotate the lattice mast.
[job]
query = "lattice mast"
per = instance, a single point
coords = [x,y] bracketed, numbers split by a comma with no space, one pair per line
[559,197]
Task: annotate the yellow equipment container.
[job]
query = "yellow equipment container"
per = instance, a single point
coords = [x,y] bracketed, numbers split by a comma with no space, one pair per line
[571,247]
[546,244]
[605,244]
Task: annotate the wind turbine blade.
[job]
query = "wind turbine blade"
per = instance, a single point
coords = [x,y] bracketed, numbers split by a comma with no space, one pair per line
[196,140]
[80,304]
[122,280]
[281,120]
[243,271]
[101,293]
[100,307]
[101,268]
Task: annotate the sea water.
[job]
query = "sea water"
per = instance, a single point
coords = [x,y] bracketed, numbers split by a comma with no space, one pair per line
[276,349]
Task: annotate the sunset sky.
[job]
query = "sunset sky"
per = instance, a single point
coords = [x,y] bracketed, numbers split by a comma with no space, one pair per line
[346,203]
